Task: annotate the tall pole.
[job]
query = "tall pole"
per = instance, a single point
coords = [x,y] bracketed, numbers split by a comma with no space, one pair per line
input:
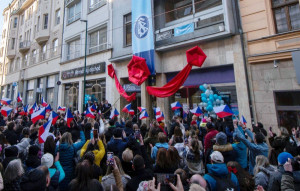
[84,75]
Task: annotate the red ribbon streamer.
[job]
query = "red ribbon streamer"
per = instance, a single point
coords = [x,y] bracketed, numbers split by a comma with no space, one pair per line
[112,74]
[195,57]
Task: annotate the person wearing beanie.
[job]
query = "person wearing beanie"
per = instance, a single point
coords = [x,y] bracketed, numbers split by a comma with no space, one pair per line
[11,153]
[57,173]
[218,171]
[225,148]
[33,160]
[211,133]
[276,178]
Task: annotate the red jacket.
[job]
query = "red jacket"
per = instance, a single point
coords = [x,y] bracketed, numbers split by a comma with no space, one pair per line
[208,137]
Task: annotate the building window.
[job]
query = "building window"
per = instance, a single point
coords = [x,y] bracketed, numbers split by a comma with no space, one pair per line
[45,21]
[50,89]
[29,92]
[54,47]
[15,22]
[127,30]
[98,40]
[71,96]
[13,40]
[17,67]
[74,12]
[25,60]
[95,4]
[95,90]
[43,52]
[73,49]
[201,5]
[57,17]
[286,15]
[33,57]
[8,91]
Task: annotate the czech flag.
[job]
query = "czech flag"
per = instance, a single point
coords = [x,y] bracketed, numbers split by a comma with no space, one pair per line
[223,111]
[176,105]
[61,108]
[53,117]
[89,113]
[44,131]
[5,101]
[243,120]
[25,111]
[131,112]
[196,111]
[19,98]
[144,115]
[48,108]
[5,111]
[93,108]
[127,108]
[40,114]
[44,104]
[160,117]
[114,114]
[33,108]
[157,111]
[141,109]
[68,118]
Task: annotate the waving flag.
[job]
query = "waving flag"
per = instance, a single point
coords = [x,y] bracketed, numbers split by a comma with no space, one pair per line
[44,131]
[93,108]
[48,108]
[5,111]
[144,115]
[223,111]
[243,120]
[44,103]
[176,105]
[141,109]
[68,118]
[89,113]
[53,117]
[25,111]
[196,111]
[127,108]
[160,117]
[33,108]
[5,101]
[114,114]
[40,114]
[131,112]
[61,108]
[157,111]
[19,98]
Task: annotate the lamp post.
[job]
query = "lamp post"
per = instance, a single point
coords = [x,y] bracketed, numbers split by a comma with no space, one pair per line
[84,75]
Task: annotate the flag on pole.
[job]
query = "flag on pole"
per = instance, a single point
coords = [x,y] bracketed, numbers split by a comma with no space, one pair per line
[141,109]
[5,111]
[127,108]
[40,114]
[53,117]
[144,115]
[176,105]
[44,103]
[19,98]
[61,109]
[89,113]
[48,108]
[160,117]
[157,111]
[114,114]
[196,111]
[33,108]
[131,112]
[223,111]
[44,131]
[25,111]
[93,108]
[5,101]
[243,120]
[69,117]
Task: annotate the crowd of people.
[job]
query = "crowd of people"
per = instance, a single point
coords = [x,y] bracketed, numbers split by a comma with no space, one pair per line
[93,154]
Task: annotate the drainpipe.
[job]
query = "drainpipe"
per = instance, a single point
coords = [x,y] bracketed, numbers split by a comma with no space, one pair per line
[241,33]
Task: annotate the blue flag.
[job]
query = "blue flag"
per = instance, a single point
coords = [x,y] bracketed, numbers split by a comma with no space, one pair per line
[142,32]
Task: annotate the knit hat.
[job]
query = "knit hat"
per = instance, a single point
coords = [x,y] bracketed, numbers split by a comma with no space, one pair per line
[47,160]
[217,157]
[221,138]
[283,157]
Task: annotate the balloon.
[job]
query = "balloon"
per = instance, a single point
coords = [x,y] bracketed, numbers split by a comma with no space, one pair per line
[204,99]
[203,95]
[202,88]
[209,108]
[216,96]
[218,101]
[207,93]
[205,104]
[211,99]
[211,92]
[205,86]
[220,98]
[209,103]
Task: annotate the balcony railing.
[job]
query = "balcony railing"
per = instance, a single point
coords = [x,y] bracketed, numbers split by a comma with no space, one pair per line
[24,44]
[96,5]
[68,2]
[98,48]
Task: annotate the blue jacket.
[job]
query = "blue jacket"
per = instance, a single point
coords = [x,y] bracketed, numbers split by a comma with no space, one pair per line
[241,151]
[66,156]
[218,170]
[60,169]
[254,149]
[117,146]
[156,147]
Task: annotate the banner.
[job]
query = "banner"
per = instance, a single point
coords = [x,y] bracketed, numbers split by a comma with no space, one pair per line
[142,32]
[185,29]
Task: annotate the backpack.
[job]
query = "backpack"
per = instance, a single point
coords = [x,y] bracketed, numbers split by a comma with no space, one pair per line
[224,183]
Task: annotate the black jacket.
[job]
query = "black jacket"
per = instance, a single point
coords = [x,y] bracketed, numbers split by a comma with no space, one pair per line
[11,136]
[140,176]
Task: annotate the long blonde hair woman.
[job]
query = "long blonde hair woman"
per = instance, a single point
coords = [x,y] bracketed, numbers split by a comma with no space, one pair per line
[262,171]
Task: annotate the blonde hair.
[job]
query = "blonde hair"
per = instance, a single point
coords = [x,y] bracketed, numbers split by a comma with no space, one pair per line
[260,161]
[284,132]
[66,138]
[13,170]
[127,155]
[196,187]
[110,168]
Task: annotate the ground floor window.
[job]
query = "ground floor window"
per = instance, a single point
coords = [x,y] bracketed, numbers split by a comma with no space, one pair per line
[50,96]
[29,96]
[95,90]
[71,96]
[288,108]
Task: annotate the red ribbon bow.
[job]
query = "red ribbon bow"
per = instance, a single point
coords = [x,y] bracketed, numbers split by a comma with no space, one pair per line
[232,169]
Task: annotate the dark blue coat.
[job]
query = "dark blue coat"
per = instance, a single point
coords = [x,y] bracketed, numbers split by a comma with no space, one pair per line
[117,146]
